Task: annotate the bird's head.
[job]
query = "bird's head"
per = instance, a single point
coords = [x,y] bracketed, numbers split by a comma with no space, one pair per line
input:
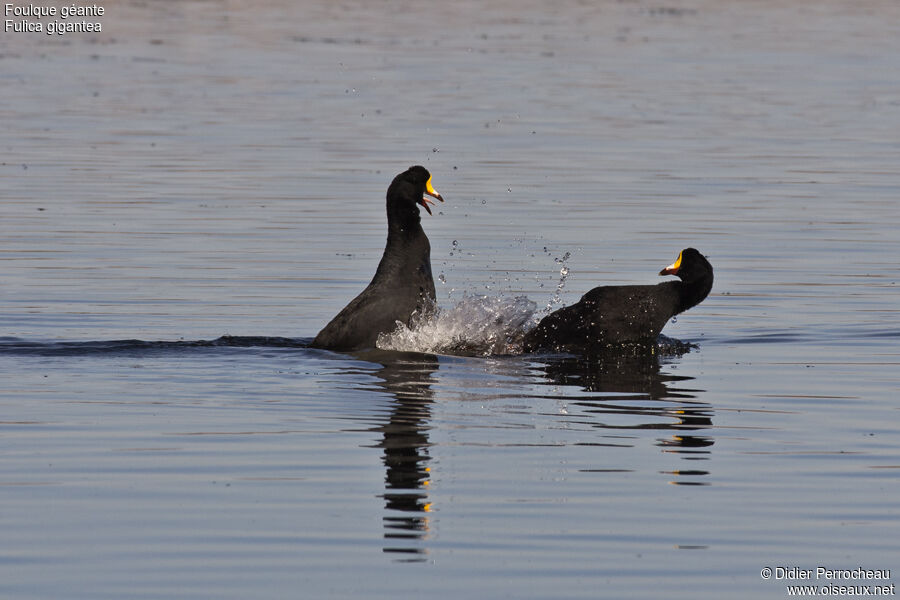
[414,184]
[689,266]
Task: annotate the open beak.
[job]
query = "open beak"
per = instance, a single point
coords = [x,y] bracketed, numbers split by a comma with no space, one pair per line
[673,268]
[425,202]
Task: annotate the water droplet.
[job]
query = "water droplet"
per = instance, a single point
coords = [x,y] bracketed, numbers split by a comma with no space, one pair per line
[484,201]
[435,150]
[441,278]
[564,271]
[455,243]
[509,189]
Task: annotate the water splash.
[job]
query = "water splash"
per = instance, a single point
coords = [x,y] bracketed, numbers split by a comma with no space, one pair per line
[476,326]
[556,299]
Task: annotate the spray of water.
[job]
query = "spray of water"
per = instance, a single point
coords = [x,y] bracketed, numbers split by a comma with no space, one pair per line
[476,326]
[563,275]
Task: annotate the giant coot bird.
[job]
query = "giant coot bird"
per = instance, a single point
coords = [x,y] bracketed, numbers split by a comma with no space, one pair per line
[624,314]
[402,286]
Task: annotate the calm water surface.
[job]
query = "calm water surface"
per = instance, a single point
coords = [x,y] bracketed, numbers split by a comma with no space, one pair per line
[209,169]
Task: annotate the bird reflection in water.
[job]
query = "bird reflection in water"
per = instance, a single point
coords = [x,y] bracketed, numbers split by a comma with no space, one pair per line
[408,378]
[619,390]
[633,394]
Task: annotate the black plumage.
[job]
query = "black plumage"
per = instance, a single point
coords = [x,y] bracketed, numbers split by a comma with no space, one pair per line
[624,314]
[403,287]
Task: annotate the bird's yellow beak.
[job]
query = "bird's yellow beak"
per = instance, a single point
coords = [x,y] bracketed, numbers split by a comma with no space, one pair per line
[429,189]
[673,268]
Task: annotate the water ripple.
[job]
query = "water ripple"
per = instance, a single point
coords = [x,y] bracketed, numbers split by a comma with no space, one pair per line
[18,346]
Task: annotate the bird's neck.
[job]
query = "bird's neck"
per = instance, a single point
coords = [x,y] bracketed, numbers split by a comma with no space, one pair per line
[693,292]
[403,218]
[399,230]
[407,254]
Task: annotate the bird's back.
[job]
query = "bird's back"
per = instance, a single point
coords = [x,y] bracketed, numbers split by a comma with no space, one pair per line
[401,290]
[608,315]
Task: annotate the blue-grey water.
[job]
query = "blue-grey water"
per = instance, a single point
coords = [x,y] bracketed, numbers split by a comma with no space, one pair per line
[190,194]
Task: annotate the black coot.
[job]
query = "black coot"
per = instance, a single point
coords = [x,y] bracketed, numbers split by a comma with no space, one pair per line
[403,285]
[624,314]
